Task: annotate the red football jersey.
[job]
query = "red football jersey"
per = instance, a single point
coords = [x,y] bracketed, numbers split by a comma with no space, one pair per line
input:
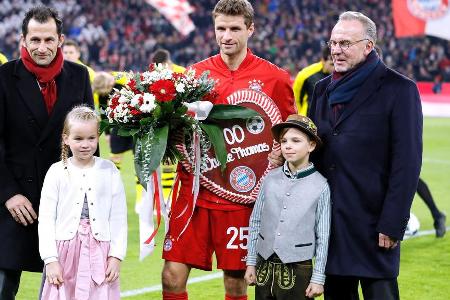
[254,73]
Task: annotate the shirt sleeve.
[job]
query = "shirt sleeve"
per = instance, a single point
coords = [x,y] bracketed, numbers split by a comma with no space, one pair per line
[284,96]
[118,218]
[322,230]
[47,216]
[255,224]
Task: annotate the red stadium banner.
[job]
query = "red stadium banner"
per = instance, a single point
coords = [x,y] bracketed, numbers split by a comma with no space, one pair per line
[421,17]
[177,12]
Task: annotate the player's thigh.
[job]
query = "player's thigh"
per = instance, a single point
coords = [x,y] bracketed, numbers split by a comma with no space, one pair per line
[193,246]
[230,238]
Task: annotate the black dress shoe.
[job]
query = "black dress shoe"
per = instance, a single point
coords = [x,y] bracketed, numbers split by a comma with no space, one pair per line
[439,225]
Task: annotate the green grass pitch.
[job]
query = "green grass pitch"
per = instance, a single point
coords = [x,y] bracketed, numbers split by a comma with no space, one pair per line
[425,265]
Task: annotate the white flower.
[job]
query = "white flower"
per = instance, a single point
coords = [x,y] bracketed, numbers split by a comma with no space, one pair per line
[149,103]
[135,100]
[180,87]
[123,99]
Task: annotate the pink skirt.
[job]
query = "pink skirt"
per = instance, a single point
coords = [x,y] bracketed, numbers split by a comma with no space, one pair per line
[84,262]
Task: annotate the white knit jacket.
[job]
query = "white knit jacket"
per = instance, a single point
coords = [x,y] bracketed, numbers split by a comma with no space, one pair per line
[62,200]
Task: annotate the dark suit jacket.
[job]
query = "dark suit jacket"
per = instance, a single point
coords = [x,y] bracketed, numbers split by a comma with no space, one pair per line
[30,141]
[372,158]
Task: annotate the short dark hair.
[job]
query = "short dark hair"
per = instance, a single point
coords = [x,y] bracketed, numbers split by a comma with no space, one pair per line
[42,14]
[235,8]
[69,42]
[160,56]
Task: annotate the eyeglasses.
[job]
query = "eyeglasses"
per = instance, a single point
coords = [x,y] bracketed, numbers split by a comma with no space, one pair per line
[345,44]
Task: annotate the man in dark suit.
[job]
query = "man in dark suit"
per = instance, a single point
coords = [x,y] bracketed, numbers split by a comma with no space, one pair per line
[36,92]
[370,120]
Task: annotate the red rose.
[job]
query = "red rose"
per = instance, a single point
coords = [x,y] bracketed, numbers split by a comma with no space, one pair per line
[176,76]
[164,90]
[132,86]
[115,101]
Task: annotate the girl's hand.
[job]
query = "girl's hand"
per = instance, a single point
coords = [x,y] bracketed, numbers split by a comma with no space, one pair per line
[314,290]
[53,273]
[250,275]
[113,269]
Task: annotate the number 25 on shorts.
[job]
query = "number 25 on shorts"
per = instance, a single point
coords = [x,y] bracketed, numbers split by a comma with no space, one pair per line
[238,235]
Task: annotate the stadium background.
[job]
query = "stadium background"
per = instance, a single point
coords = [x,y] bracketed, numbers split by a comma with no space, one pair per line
[121,35]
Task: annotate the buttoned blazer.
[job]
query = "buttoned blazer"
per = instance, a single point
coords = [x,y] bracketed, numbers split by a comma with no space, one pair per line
[30,141]
[372,158]
[62,201]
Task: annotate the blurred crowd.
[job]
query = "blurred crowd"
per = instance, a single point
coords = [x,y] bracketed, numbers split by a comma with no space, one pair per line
[122,34]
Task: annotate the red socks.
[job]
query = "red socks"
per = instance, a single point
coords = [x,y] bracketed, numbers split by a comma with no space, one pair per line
[184,296]
[227,297]
[175,296]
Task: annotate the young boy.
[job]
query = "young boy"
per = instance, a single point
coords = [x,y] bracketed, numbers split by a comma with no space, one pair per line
[290,223]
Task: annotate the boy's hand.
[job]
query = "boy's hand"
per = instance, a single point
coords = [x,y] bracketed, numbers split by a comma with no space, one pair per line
[250,275]
[53,273]
[112,269]
[275,158]
[314,290]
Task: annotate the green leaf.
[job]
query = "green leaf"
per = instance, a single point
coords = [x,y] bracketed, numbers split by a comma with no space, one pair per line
[134,131]
[227,111]
[149,153]
[123,132]
[215,135]
[104,125]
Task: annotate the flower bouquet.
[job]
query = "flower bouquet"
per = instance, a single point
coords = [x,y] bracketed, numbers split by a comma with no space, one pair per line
[161,108]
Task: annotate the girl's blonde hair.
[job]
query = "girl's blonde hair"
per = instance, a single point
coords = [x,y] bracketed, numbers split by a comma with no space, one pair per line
[78,113]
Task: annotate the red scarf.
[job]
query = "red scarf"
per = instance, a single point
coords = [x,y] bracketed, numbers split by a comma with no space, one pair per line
[45,75]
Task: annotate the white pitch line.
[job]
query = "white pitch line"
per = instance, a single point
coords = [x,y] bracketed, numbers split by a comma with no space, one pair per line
[437,161]
[423,232]
[158,287]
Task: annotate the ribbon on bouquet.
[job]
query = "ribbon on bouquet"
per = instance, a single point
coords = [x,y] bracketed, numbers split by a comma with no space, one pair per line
[201,110]
[152,204]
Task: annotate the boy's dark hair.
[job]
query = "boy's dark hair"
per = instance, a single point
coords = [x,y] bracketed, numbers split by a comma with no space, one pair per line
[41,14]
[69,42]
[235,8]
[160,56]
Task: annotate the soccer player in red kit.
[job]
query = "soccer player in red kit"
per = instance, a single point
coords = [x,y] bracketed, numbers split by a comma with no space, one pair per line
[219,225]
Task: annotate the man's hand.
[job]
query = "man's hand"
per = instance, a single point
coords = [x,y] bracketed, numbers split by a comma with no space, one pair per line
[21,209]
[54,274]
[314,290]
[386,242]
[112,269]
[250,275]
[275,158]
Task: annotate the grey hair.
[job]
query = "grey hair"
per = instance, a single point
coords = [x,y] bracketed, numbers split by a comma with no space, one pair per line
[369,25]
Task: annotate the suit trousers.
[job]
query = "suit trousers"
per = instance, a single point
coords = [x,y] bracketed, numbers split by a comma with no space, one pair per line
[346,288]
[9,284]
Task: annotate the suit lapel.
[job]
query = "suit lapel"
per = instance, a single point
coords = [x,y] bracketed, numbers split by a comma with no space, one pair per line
[365,92]
[30,94]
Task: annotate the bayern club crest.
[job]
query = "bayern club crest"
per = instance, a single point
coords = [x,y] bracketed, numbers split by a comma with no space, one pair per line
[167,244]
[242,179]
[428,9]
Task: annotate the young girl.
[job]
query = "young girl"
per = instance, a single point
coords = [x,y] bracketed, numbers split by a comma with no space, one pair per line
[82,217]
[290,222]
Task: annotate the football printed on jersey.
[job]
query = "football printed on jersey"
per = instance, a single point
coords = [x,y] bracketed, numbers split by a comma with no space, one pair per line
[248,143]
